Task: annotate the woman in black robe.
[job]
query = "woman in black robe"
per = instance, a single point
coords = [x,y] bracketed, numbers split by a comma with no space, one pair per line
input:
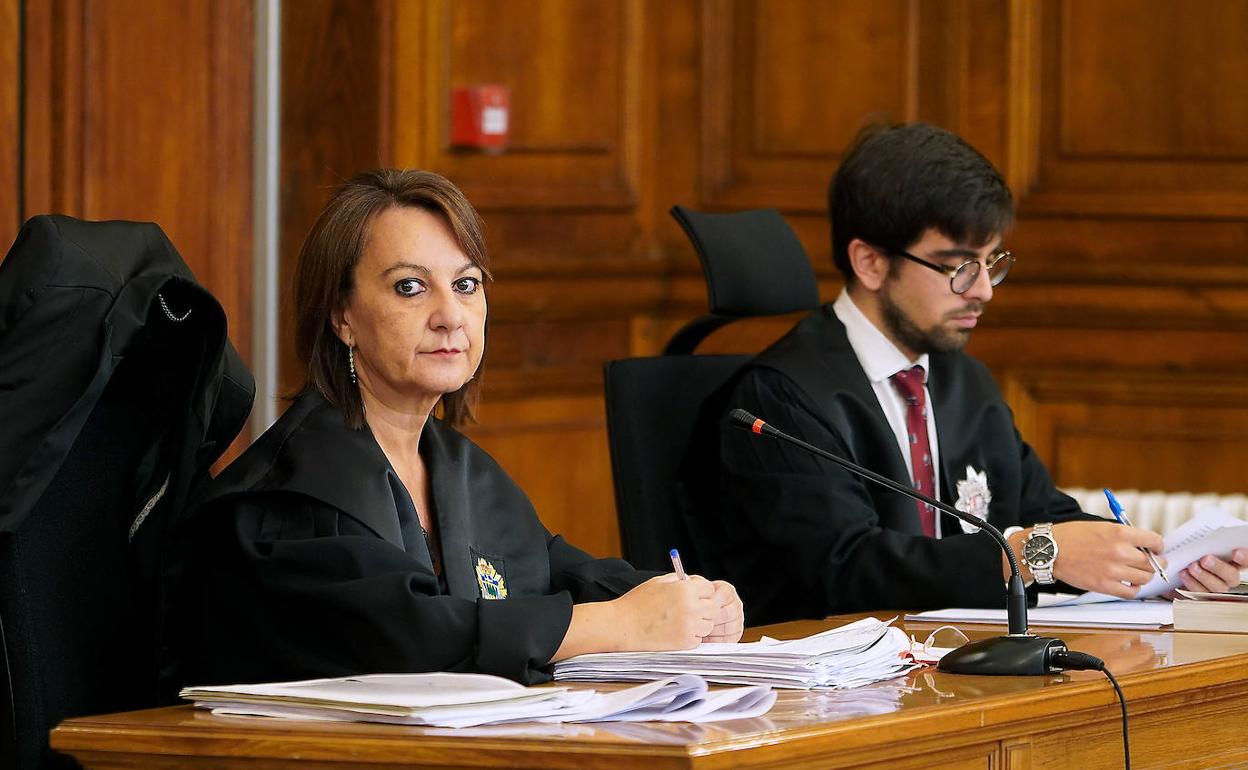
[361,533]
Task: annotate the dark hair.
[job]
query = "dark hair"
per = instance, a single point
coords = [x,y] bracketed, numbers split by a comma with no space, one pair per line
[897,181]
[325,276]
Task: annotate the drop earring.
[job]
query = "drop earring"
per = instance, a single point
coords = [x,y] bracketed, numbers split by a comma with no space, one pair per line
[351,365]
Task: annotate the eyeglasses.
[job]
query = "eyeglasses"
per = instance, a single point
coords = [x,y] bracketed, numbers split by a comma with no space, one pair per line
[964,276]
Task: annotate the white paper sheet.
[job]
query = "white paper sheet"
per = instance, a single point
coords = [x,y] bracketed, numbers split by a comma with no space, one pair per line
[866,651]
[1211,531]
[438,700]
[1114,614]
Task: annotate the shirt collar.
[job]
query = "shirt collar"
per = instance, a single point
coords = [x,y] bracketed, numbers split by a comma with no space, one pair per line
[879,357]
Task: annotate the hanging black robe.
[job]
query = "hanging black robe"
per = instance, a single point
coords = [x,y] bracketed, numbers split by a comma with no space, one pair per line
[312,562]
[800,537]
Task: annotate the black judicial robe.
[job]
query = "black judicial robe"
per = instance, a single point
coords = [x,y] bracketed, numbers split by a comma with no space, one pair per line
[800,537]
[312,562]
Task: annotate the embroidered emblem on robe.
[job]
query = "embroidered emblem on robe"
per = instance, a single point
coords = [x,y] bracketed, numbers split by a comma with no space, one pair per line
[489,581]
[973,497]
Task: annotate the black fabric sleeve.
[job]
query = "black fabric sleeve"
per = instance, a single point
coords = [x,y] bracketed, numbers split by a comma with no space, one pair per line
[304,591]
[1042,500]
[587,578]
[818,540]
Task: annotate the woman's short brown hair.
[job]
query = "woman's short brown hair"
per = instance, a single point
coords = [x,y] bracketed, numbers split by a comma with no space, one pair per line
[325,276]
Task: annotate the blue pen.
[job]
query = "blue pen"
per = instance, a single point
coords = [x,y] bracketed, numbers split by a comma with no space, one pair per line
[1116,508]
[677,567]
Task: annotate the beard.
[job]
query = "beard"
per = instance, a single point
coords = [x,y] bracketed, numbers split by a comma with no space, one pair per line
[936,339]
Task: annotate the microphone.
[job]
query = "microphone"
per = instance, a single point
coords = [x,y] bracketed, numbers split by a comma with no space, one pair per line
[1019,652]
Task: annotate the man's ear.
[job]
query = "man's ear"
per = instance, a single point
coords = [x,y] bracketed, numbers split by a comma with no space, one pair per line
[870,265]
[342,327]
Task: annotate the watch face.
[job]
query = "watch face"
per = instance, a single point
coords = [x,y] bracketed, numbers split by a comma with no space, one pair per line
[1039,551]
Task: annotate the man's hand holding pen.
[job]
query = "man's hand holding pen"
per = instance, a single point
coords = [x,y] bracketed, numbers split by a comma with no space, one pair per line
[1104,557]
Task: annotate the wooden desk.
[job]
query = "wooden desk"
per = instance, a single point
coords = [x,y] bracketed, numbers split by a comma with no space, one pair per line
[1187,695]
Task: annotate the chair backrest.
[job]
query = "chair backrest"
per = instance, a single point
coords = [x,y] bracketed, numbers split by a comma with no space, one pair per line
[116,372]
[79,623]
[657,407]
[754,266]
[654,408]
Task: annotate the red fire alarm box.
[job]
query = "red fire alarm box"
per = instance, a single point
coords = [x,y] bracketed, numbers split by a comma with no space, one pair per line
[479,116]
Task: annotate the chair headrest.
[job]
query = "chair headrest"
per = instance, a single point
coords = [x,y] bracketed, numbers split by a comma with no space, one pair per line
[753,262]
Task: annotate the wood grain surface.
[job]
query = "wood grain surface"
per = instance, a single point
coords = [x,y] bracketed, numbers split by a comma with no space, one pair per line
[1187,694]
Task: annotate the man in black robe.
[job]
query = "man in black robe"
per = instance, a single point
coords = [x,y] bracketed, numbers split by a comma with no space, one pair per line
[878,377]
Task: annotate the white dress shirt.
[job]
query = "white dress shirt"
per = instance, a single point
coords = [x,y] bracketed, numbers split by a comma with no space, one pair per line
[880,359]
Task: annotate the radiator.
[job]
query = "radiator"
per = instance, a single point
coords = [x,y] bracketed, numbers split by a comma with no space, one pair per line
[1158,511]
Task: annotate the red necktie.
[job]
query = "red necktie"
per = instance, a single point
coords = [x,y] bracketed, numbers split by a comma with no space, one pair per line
[910,384]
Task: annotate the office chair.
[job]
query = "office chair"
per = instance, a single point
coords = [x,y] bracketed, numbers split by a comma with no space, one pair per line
[754,266]
[118,389]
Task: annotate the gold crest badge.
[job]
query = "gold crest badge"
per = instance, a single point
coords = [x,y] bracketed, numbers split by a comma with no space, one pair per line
[489,581]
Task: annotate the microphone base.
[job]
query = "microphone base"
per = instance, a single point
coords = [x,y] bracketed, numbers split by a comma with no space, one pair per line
[1003,656]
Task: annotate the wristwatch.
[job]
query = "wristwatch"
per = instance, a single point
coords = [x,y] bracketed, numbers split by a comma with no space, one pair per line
[1040,552]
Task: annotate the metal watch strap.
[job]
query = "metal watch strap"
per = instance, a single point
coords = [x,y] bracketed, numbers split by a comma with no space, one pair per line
[1043,575]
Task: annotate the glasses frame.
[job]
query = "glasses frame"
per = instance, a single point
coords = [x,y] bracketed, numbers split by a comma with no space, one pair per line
[971,264]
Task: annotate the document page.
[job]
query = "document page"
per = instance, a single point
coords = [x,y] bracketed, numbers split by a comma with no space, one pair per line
[1115,614]
[866,651]
[1211,531]
[437,700]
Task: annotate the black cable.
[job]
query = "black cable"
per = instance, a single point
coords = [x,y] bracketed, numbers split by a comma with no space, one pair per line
[1081,661]
[1122,701]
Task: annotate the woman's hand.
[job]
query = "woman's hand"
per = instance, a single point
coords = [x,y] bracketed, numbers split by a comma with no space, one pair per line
[729,615]
[663,613]
[666,613]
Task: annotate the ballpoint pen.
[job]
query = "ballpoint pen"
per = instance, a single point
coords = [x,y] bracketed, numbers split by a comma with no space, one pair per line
[677,567]
[1116,508]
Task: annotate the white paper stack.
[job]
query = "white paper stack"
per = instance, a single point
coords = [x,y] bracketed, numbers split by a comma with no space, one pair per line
[866,651]
[1060,610]
[468,700]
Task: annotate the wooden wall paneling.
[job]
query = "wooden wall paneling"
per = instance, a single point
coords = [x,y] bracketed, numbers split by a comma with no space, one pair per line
[53,106]
[787,85]
[1135,428]
[1086,306]
[567,185]
[1130,251]
[336,94]
[1182,351]
[226,203]
[1128,126]
[672,107]
[573,69]
[143,111]
[963,78]
[10,122]
[556,450]
[1022,97]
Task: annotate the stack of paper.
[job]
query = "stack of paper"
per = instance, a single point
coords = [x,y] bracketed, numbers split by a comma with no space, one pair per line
[1063,610]
[860,653]
[1205,611]
[467,700]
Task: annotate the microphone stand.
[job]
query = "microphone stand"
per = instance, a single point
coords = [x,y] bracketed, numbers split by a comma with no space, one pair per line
[1019,651]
